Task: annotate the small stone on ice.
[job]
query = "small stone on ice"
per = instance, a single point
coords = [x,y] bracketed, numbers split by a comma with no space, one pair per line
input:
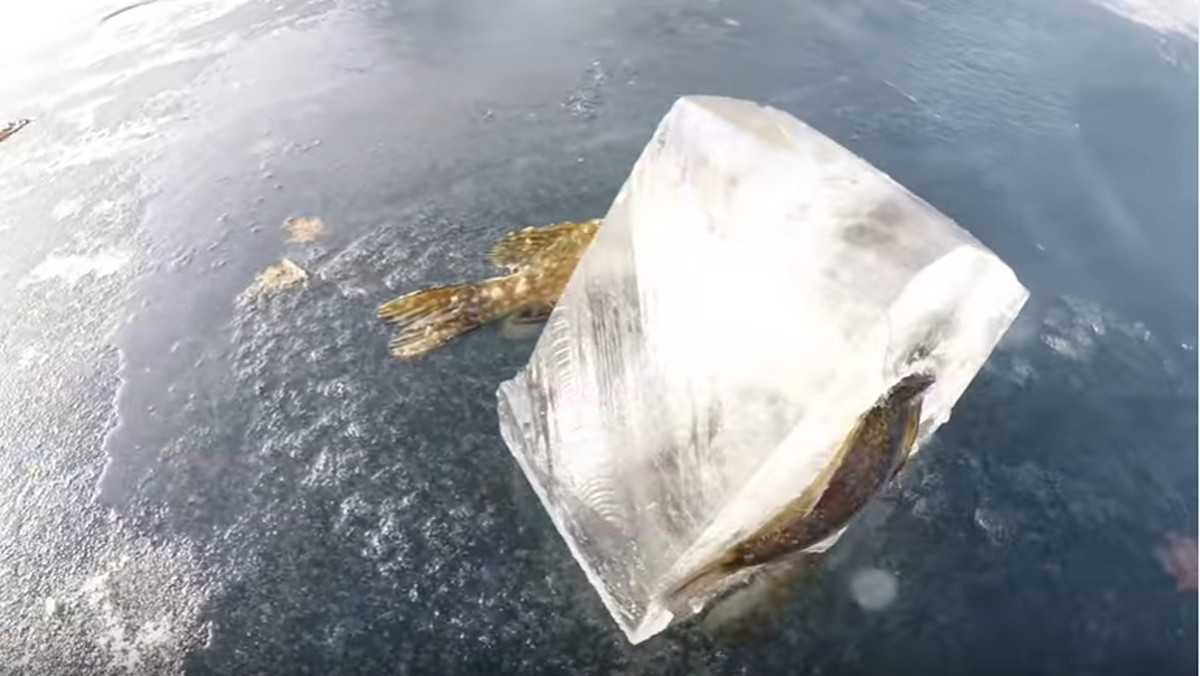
[275,277]
[304,229]
[754,289]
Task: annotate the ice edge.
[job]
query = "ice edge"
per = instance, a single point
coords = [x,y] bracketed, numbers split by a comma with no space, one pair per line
[503,394]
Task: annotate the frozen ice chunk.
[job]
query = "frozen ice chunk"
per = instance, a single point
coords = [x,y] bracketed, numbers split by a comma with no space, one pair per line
[755,287]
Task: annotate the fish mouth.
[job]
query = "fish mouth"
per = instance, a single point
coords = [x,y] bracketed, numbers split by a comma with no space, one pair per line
[911,386]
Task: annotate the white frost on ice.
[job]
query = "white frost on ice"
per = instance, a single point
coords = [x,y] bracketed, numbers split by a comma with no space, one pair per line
[1073,329]
[124,643]
[264,145]
[107,144]
[68,208]
[70,269]
[83,116]
[30,357]
[1178,17]
[141,608]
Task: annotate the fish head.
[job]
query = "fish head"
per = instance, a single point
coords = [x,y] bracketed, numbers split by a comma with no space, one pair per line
[910,388]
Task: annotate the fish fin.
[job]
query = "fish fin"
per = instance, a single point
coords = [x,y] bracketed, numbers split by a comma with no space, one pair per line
[823,545]
[703,580]
[515,329]
[533,315]
[522,247]
[432,317]
[525,323]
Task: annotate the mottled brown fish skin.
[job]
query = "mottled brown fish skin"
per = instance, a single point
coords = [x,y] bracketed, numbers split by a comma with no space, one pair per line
[873,452]
[541,261]
[884,438]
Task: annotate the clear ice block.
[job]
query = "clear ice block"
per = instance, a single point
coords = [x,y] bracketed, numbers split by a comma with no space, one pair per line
[754,288]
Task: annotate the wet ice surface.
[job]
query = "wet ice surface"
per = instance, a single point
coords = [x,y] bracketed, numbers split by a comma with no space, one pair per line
[281,496]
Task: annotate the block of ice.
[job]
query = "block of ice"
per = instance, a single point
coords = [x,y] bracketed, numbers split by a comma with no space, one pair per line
[754,288]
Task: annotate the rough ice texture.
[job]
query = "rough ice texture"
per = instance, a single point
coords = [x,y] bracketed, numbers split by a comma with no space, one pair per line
[755,287]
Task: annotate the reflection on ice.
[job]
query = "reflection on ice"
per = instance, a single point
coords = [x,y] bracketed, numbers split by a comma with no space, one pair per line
[873,589]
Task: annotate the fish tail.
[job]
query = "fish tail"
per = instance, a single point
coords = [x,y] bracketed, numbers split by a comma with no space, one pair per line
[431,317]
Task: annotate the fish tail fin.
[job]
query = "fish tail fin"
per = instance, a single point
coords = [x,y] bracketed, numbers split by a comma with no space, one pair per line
[432,317]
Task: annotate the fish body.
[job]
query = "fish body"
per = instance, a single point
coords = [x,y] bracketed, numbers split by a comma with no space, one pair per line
[539,261]
[871,455]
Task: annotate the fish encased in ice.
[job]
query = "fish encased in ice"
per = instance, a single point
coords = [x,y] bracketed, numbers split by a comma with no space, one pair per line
[872,453]
[540,261]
